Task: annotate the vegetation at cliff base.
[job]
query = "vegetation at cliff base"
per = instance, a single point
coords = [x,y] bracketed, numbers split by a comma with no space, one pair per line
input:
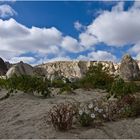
[27,84]
[97,77]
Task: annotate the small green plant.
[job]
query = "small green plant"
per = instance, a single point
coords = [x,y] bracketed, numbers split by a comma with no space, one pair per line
[97,77]
[120,88]
[61,116]
[130,106]
[127,106]
[88,113]
[27,84]
[67,88]
[57,83]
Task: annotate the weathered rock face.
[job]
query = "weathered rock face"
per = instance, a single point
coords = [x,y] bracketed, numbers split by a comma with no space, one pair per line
[129,69]
[8,65]
[3,67]
[73,69]
[38,71]
[20,69]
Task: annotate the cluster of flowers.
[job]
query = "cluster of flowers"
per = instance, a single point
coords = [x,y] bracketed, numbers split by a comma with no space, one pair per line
[89,112]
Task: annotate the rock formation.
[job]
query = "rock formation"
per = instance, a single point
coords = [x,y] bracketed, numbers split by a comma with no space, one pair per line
[3,67]
[73,69]
[129,69]
[8,65]
[20,69]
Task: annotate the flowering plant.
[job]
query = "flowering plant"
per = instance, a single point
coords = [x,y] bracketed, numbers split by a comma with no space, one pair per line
[88,113]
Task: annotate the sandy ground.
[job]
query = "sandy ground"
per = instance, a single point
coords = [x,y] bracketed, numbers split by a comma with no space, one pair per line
[24,116]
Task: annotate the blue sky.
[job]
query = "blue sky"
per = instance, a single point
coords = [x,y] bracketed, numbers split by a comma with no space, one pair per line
[43,31]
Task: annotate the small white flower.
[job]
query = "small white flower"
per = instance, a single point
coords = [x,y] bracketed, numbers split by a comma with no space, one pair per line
[96,108]
[92,115]
[100,110]
[80,112]
[104,115]
[90,106]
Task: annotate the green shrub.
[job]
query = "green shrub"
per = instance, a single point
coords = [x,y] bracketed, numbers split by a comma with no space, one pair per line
[120,88]
[89,113]
[75,84]
[57,83]
[26,83]
[132,109]
[67,88]
[96,77]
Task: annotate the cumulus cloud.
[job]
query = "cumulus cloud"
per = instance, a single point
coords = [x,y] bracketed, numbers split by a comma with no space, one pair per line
[87,40]
[98,56]
[114,28]
[6,11]
[66,58]
[24,59]
[135,49]
[71,44]
[15,37]
[117,27]
[78,26]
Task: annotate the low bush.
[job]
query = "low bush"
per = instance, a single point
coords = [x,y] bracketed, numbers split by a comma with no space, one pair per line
[120,88]
[130,106]
[97,77]
[26,83]
[57,83]
[127,106]
[66,88]
[61,116]
[89,113]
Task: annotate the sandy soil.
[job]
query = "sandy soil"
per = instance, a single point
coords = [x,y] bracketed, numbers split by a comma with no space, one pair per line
[24,116]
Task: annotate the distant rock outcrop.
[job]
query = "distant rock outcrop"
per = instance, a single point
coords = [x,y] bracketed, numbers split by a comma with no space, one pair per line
[8,65]
[73,69]
[20,69]
[129,69]
[3,67]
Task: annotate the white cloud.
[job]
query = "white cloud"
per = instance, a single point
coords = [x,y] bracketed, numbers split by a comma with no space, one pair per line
[119,7]
[117,27]
[17,39]
[78,26]
[87,40]
[135,49]
[98,56]
[66,58]
[136,5]
[71,44]
[6,11]
[24,59]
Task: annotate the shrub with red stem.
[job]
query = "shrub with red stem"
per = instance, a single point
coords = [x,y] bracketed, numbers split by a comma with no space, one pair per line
[62,115]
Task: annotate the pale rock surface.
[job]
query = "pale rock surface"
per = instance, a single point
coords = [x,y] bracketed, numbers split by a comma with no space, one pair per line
[3,67]
[74,69]
[129,69]
[20,69]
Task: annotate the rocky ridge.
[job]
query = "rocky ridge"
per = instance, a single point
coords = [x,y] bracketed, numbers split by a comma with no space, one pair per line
[74,69]
[128,69]
[3,67]
[20,69]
